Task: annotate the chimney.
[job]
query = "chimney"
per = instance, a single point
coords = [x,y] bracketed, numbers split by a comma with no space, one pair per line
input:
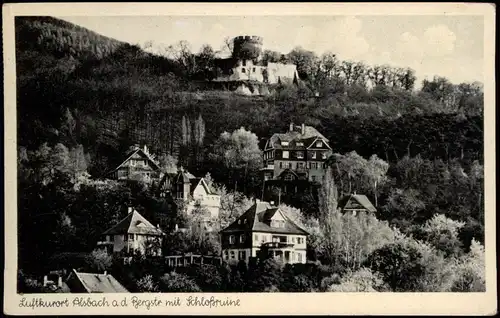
[291,126]
[59,281]
[105,272]
[303,130]
[45,280]
[145,149]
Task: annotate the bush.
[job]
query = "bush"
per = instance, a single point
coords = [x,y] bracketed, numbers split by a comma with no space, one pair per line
[178,283]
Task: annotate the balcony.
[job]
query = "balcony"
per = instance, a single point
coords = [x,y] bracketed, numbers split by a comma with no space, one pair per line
[268,167]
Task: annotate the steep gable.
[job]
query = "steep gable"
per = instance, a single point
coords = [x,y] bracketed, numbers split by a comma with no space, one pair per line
[134,223]
[356,201]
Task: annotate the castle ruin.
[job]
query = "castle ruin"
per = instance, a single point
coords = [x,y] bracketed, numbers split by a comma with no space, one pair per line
[247,73]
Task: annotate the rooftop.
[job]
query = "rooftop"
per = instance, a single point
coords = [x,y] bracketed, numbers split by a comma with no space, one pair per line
[134,223]
[99,283]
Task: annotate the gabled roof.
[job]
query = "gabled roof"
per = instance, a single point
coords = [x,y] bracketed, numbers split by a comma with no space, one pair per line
[310,134]
[143,154]
[134,223]
[257,218]
[99,283]
[356,200]
[195,182]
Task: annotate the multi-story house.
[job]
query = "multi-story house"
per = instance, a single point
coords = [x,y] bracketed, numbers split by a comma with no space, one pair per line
[355,203]
[133,235]
[139,165]
[264,231]
[298,154]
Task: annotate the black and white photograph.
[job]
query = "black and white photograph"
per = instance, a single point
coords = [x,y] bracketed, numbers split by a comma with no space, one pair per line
[250,153]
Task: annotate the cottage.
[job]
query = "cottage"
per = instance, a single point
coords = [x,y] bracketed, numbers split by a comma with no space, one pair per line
[264,231]
[355,203]
[133,235]
[79,282]
[139,166]
[194,191]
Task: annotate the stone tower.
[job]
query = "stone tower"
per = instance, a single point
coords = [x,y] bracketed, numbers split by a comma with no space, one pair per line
[247,47]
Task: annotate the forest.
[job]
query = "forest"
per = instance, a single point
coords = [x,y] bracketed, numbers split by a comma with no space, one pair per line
[84,99]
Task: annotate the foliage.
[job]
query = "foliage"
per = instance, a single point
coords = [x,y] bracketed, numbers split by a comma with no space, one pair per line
[180,283]
[147,285]
[362,280]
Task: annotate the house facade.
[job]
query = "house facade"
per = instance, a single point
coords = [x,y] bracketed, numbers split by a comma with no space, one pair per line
[264,231]
[139,165]
[355,203]
[298,154]
[133,235]
[194,191]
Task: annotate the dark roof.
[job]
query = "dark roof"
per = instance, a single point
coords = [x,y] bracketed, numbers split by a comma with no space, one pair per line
[258,217]
[134,223]
[354,201]
[143,154]
[310,134]
[99,283]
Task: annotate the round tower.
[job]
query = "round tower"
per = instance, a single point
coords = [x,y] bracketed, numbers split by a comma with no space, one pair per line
[247,47]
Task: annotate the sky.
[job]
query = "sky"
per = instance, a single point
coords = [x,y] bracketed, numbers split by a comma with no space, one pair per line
[445,45]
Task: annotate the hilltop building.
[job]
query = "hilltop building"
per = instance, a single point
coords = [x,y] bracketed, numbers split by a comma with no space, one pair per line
[248,73]
[298,154]
[264,231]
[139,165]
[133,235]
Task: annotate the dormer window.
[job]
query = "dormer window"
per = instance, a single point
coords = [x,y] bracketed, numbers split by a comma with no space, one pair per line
[286,154]
[231,239]
[285,143]
[319,144]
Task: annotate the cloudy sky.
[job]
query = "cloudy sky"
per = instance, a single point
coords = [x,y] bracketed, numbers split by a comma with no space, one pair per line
[450,46]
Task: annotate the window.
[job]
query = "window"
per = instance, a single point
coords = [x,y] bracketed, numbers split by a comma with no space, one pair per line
[225,255]
[243,70]
[132,163]
[300,155]
[281,165]
[354,212]
[284,143]
[289,177]
[293,239]
[242,255]
[112,238]
[323,155]
[131,237]
[299,257]
[313,155]
[286,154]
[256,238]
[245,221]
[319,144]
[299,144]
[244,62]
[239,221]
[290,165]
[253,70]
[231,239]
[313,178]
[233,256]
[242,238]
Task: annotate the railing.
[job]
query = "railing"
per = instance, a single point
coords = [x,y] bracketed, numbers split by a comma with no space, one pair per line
[189,259]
